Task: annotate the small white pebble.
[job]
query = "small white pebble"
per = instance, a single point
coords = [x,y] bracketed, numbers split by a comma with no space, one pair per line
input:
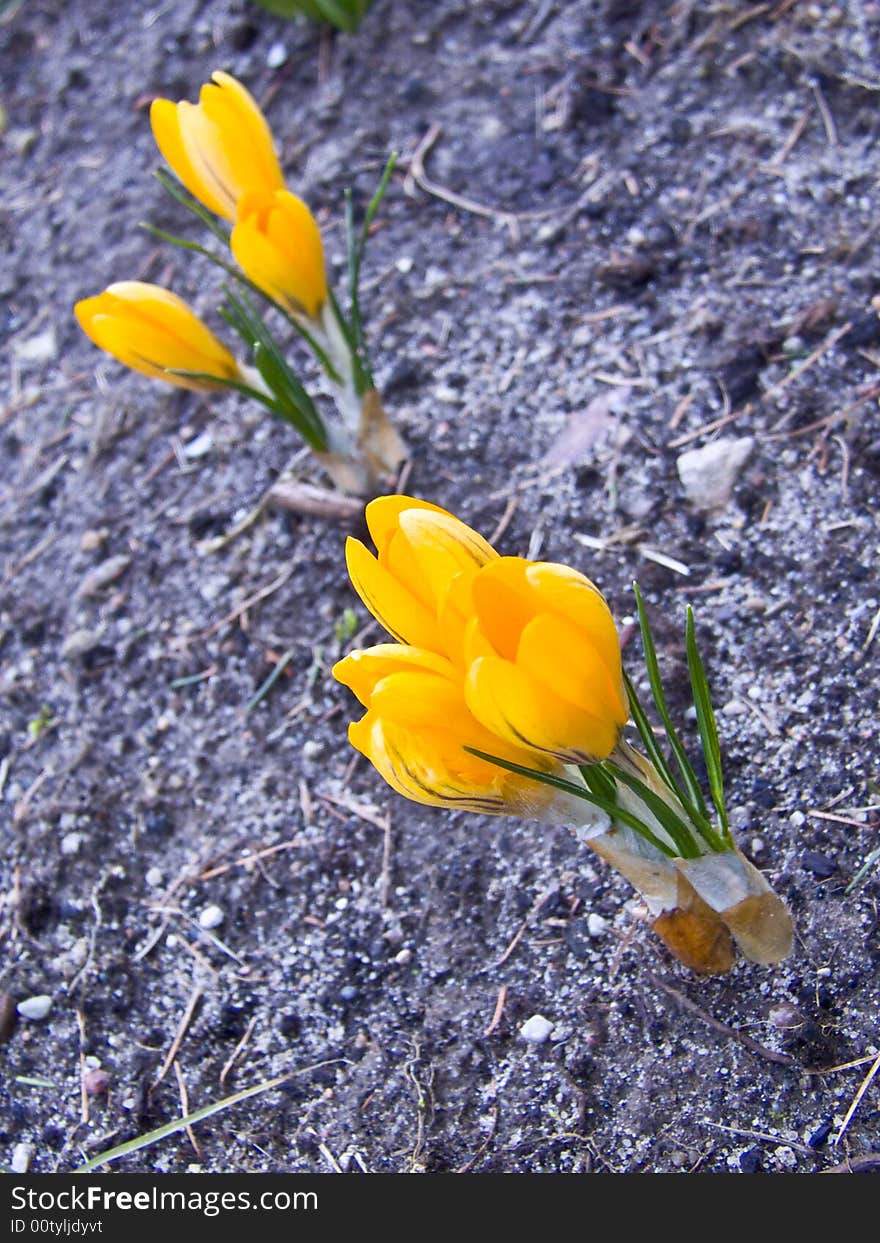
[211,917]
[276,56]
[403,957]
[596,925]
[311,749]
[70,843]
[154,877]
[757,845]
[200,446]
[35,1008]
[536,1029]
[22,1155]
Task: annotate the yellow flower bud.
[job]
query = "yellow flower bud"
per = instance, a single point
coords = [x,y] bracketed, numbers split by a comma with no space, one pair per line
[150,329]
[417,726]
[221,147]
[277,244]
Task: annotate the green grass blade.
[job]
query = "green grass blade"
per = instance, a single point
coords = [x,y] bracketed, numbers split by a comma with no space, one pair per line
[695,794]
[649,740]
[296,405]
[706,724]
[597,800]
[863,871]
[294,402]
[179,1124]
[674,824]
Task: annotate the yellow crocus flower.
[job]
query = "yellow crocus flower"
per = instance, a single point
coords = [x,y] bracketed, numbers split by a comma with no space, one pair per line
[277,243]
[417,726]
[533,643]
[150,329]
[221,148]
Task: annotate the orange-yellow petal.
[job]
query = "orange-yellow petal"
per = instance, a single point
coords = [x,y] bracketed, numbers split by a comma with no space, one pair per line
[393,606]
[277,243]
[361,670]
[571,595]
[566,660]
[527,714]
[504,603]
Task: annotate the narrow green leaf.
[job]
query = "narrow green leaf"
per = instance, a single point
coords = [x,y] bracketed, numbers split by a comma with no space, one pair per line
[296,405]
[178,1124]
[597,800]
[695,794]
[183,242]
[649,739]
[706,723]
[599,781]
[237,385]
[374,203]
[355,245]
[674,825]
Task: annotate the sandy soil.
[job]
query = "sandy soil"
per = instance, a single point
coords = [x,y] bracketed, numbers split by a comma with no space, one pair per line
[637,227]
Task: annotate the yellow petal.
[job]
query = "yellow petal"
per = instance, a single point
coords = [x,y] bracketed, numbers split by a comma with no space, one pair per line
[165,122]
[277,243]
[383,517]
[220,148]
[428,768]
[525,713]
[456,620]
[250,144]
[148,329]
[393,606]
[443,548]
[423,702]
[360,671]
[504,603]
[564,591]
[565,658]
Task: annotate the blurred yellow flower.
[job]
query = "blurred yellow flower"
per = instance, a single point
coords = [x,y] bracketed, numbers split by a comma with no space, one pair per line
[221,148]
[150,329]
[276,243]
[417,726]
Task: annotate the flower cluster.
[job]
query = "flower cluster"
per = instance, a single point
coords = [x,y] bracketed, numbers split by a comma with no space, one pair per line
[223,154]
[495,653]
[504,693]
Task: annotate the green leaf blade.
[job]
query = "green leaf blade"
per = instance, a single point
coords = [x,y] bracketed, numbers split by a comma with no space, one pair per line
[706,724]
